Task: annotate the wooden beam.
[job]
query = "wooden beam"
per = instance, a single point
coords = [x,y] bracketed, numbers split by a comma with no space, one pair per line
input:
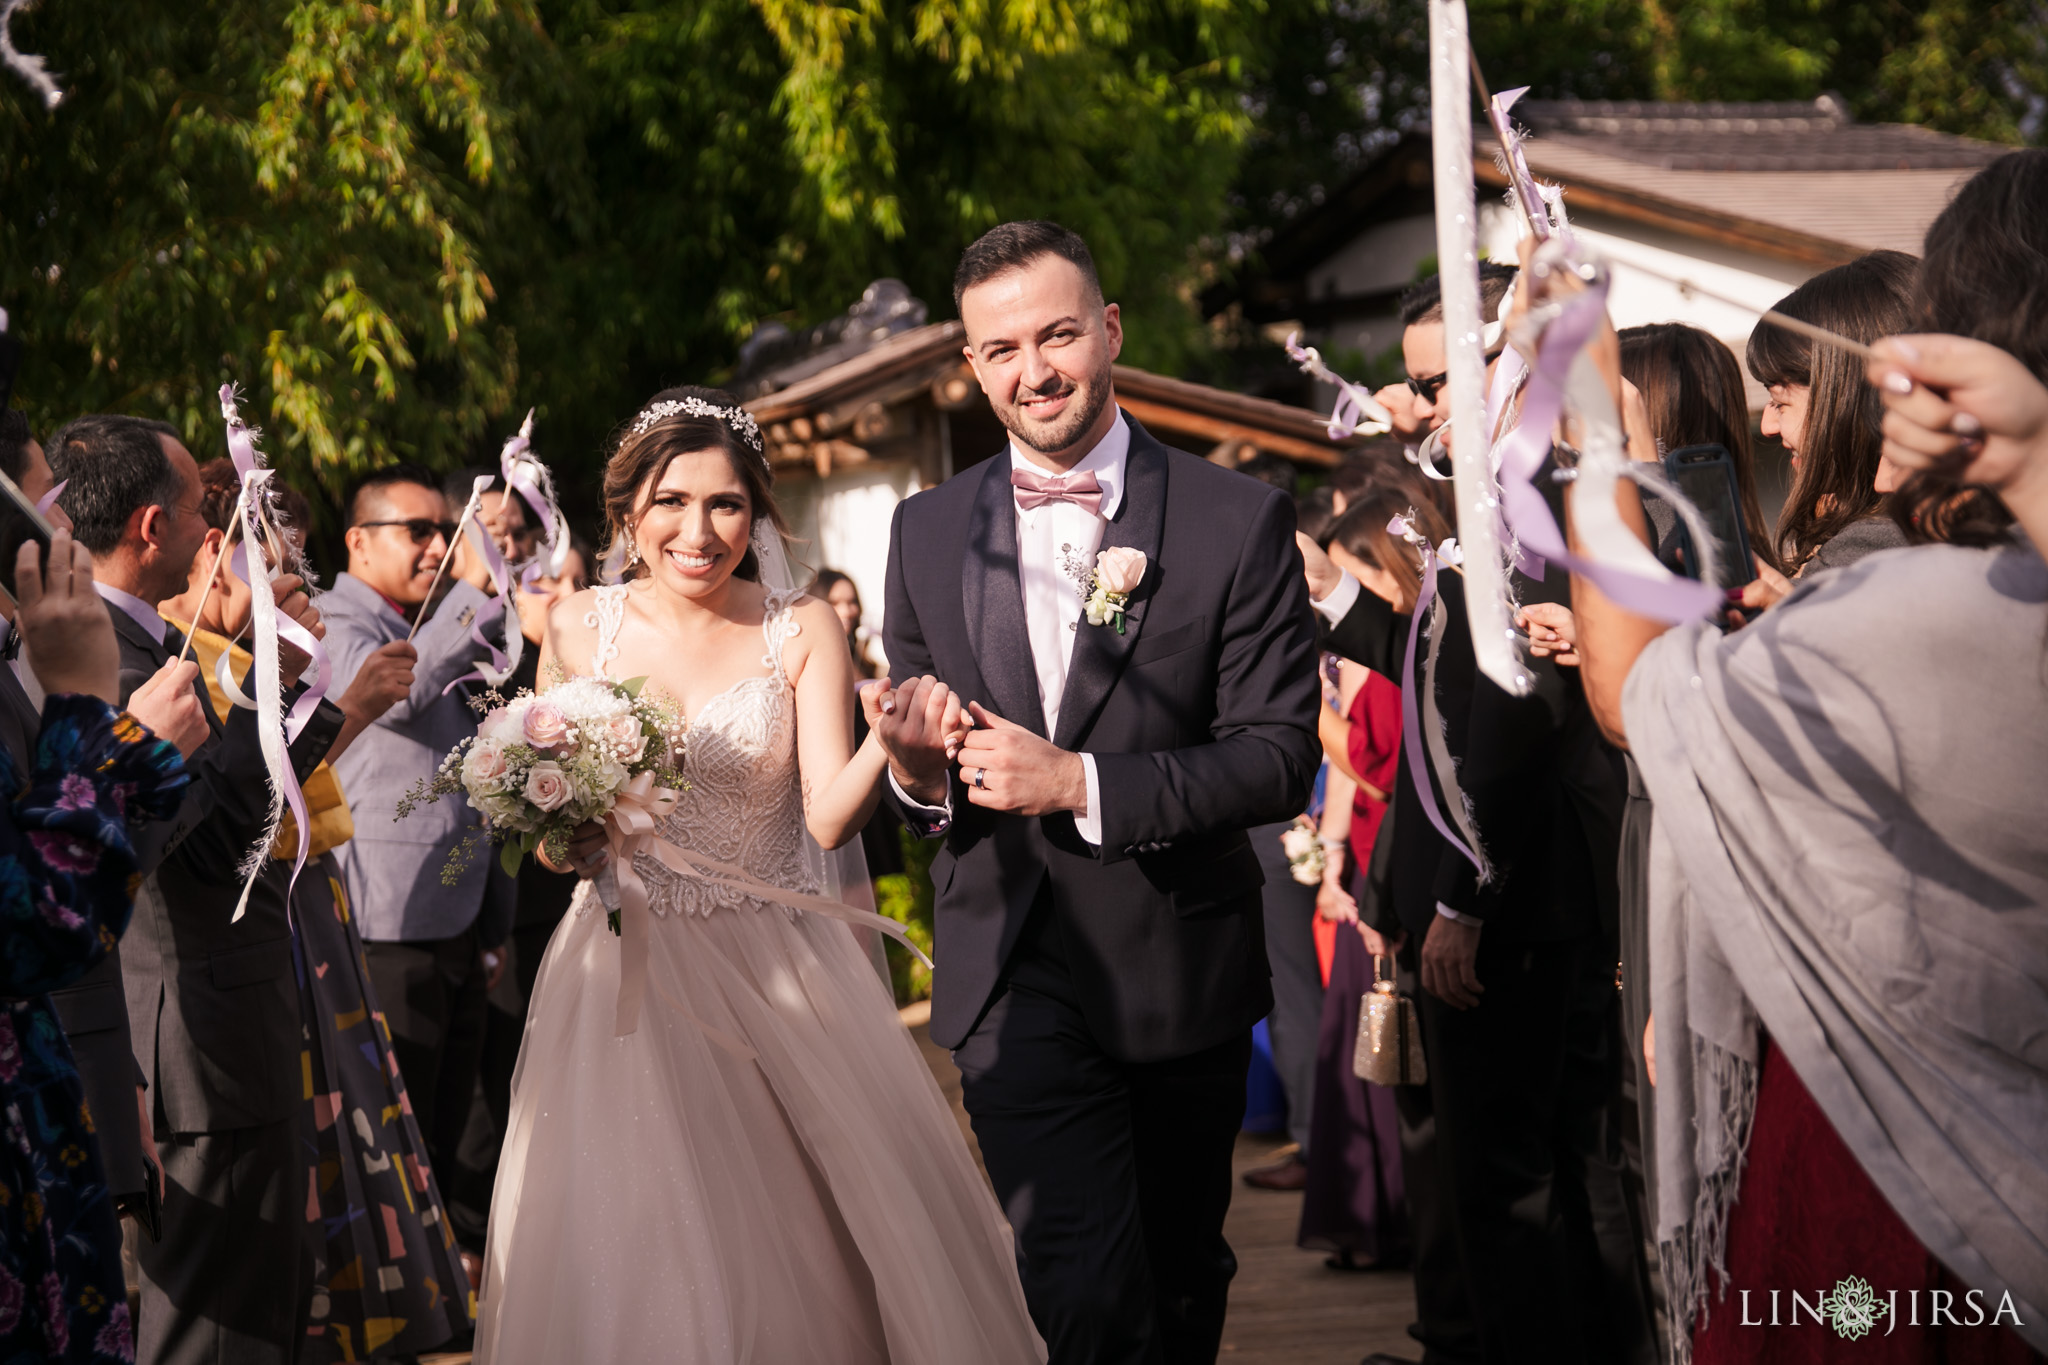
[1159,416]
[1690,220]
[1257,414]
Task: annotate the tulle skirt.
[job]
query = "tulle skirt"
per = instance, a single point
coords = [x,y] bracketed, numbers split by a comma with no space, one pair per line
[661,1198]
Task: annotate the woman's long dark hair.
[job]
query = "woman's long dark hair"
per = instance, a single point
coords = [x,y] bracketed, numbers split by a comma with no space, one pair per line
[1985,275]
[1835,483]
[1692,385]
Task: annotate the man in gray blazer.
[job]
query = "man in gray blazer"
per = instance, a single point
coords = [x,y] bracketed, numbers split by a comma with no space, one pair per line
[212,1001]
[423,939]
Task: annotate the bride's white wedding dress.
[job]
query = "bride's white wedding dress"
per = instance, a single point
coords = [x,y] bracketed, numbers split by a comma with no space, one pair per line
[660,1197]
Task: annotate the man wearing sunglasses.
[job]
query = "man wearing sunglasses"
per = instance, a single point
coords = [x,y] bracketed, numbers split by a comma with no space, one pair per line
[423,941]
[1421,403]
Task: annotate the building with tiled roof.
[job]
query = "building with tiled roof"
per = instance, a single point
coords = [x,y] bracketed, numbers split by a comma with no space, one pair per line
[1749,200]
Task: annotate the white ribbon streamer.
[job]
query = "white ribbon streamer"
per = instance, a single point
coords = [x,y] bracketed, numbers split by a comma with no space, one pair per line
[26,65]
[1487,601]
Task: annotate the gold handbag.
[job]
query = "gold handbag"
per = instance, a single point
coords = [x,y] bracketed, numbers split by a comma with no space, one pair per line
[1389,1050]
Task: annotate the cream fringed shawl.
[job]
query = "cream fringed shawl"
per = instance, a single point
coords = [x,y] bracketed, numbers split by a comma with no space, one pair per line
[1851,852]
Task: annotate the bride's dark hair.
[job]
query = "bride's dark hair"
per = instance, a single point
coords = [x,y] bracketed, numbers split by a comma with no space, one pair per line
[647,447]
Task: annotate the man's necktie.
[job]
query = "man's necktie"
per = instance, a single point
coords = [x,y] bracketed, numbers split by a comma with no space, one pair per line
[1036,490]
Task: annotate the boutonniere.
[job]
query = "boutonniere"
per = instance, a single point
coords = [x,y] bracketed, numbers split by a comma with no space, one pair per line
[1118,571]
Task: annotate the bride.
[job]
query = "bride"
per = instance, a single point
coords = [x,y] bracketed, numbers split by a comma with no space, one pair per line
[762,1169]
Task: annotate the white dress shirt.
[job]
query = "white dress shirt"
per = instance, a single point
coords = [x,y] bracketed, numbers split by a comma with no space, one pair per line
[1056,547]
[134,608]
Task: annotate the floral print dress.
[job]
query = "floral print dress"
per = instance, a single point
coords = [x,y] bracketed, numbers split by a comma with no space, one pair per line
[67,873]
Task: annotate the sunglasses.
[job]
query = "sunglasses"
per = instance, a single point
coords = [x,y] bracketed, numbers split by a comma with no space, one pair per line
[1427,389]
[420,529]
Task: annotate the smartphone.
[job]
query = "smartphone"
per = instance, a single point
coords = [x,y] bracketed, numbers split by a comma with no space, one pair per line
[1706,475]
[20,523]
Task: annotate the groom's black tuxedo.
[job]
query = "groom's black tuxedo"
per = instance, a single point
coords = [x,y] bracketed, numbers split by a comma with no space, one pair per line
[1100,1000]
[1201,718]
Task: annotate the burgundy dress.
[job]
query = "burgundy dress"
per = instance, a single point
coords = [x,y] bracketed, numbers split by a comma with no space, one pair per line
[1806,1217]
[1354,1201]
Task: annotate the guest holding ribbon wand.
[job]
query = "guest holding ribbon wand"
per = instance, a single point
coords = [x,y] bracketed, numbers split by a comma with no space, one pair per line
[1503,880]
[210,996]
[385,1278]
[1849,887]
[67,857]
[424,938]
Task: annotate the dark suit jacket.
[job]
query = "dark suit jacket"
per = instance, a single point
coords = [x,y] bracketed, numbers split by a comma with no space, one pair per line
[214,1005]
[1202,721]
[92,1010]
[1546,791]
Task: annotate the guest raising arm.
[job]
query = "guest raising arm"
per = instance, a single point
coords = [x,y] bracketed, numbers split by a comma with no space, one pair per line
[67,865]
[1831,823]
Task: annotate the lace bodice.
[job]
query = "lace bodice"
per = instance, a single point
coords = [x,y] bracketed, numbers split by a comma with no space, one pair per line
[742,799]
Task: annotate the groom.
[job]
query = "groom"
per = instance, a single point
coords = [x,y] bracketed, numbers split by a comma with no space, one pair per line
[1099,933]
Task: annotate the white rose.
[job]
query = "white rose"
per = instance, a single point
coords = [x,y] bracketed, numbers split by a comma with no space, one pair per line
[628,740]
[547,786]
[485,765]
[1119,569]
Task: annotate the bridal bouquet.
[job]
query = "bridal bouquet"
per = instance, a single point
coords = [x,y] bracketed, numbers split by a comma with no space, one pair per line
[541,764]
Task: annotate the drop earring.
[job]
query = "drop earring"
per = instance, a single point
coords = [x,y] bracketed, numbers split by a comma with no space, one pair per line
[632,548]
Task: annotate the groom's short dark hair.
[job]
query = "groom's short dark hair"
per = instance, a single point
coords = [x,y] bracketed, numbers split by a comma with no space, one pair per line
[1012,246]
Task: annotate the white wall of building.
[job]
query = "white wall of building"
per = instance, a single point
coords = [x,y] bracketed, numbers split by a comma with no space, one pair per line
[842,522]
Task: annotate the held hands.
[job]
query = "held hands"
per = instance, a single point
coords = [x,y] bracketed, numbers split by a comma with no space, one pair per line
[1008,768]
[920,726]
[170,707]
[70,641]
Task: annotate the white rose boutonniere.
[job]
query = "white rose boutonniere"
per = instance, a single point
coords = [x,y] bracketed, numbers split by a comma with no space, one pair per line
[1118,571]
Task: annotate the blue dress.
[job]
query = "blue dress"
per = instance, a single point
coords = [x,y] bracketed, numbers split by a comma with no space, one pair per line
[67,874]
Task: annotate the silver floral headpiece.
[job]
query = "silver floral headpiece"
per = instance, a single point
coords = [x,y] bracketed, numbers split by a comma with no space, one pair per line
[739,419]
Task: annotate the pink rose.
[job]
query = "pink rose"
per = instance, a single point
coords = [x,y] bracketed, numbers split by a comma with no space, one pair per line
[547,786]
[485,761]
[546,727]
[627,739]
[498,724]
[1119,569]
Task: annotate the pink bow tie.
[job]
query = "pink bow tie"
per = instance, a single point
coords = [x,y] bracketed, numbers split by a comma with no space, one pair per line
[1036,490]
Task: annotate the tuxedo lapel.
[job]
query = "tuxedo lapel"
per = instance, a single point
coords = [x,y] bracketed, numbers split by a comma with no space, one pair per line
[992,596]
[1100,651]
[134,637]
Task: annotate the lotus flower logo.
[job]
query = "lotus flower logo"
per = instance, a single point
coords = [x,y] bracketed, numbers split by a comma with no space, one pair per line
[1852,1308]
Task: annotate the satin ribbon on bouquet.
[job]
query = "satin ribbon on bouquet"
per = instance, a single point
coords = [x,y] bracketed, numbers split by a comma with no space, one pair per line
[634,827]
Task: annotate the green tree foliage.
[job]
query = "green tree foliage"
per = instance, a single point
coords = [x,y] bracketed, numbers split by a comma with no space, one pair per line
[398,223]
[1336,79]
[279,195]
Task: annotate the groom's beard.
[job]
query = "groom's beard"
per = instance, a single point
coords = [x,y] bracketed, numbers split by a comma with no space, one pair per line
[1050,438]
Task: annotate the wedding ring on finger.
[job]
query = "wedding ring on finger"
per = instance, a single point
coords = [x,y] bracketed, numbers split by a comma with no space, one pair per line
[981,778]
